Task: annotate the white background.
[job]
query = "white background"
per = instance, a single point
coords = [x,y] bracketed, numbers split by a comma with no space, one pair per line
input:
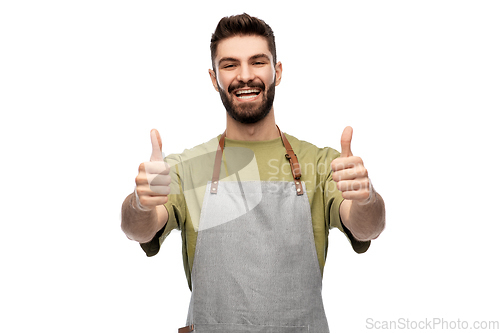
[83,82]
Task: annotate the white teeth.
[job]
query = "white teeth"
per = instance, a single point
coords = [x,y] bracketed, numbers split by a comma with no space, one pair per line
[247,91]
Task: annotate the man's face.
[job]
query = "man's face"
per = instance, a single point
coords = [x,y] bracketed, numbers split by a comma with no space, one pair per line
[245,77]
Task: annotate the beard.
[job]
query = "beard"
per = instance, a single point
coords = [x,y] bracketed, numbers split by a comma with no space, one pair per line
[248,113]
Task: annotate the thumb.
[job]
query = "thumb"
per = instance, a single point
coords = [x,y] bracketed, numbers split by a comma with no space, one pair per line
[156,155]
[345,142]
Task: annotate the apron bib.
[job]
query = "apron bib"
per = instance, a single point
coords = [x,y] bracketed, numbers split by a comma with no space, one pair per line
[258,272]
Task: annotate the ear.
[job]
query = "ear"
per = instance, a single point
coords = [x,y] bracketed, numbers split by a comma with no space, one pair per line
[214,79]
[279,72]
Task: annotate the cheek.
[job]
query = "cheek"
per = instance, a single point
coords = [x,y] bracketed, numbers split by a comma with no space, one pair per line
[221,85]
[269,77]
[223,81]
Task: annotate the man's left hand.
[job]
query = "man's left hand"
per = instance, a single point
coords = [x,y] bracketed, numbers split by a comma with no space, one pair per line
[350,173]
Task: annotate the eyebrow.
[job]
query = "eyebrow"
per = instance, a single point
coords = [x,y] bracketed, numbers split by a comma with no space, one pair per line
[260,55]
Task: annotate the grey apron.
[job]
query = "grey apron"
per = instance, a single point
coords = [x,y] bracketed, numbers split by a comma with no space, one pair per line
[258,272]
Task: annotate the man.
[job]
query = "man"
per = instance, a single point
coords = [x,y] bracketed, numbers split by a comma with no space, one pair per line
[254,205]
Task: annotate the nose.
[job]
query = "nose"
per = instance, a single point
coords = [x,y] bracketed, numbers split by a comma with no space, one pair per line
[245,74]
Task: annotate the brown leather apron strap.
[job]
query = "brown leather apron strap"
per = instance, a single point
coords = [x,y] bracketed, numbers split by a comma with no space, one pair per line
[186,329]
[218,160]
[294,163]
[290,156]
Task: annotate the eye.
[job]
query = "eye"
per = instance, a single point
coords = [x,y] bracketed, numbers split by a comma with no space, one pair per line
[228,66]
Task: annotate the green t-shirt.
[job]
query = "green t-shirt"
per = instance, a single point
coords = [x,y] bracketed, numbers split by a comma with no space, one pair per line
[250,160]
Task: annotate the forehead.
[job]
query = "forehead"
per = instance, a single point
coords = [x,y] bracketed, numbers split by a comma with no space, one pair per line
[242,47]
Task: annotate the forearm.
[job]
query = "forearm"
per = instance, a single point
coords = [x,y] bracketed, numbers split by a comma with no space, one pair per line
[137,224]
[365,220]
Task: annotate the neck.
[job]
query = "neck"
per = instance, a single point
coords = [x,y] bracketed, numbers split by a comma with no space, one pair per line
[263,130]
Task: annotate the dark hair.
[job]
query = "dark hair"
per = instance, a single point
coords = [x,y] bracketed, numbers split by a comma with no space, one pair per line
[241,25]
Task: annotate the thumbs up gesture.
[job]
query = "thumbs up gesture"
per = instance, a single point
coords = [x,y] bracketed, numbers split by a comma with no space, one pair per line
[350,173]
[153,180]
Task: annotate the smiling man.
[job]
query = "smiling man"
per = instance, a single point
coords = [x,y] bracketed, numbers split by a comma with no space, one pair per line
[246,80]
[254,205]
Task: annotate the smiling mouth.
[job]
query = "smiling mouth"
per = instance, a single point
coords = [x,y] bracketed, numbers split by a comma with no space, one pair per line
[247,94]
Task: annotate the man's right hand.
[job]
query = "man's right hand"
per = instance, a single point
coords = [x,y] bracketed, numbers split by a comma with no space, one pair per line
[153,180]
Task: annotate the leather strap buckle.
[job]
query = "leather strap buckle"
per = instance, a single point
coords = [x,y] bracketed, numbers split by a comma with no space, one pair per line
[294,165]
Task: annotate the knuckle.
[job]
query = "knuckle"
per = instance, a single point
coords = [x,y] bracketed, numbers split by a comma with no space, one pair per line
[163,200]
[143,201]
[356,160]
[336,177]
[140,191]
[140,179]
[155,180]
[338,164]
[363,172]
